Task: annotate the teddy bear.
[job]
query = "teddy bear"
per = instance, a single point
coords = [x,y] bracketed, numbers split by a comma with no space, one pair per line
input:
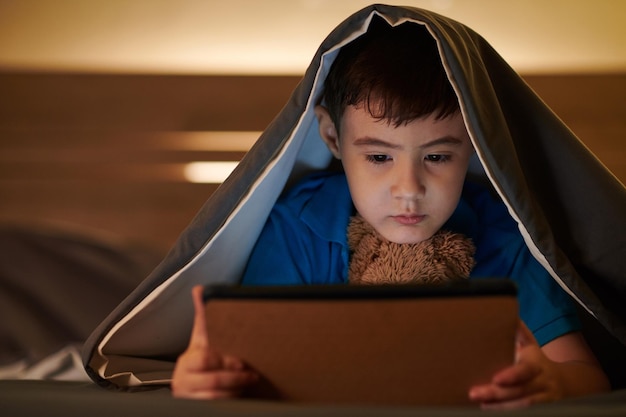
[446,256]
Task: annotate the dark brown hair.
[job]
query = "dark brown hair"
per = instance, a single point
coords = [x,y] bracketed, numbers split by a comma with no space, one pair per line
[395,72]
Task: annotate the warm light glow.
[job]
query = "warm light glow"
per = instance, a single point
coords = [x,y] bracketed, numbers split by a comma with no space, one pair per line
[214,172]
[281,36]
[216,141]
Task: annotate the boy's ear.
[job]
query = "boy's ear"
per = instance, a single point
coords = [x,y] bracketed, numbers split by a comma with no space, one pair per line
[328,131]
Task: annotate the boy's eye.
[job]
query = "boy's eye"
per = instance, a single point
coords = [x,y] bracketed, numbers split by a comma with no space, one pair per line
[437,158]
[378,159]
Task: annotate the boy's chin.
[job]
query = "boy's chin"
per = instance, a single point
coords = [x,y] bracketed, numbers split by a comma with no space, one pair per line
[406,237]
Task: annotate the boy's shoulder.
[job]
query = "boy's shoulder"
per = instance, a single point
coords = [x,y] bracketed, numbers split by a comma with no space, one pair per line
[487,204]
[481,212]
[320,202]
[318,185]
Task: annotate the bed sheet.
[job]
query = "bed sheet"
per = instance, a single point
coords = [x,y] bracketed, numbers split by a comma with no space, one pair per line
[67,399]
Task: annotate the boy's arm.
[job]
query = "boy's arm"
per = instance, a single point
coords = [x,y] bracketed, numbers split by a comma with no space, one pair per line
[575,358]
[564,367]
[203,373]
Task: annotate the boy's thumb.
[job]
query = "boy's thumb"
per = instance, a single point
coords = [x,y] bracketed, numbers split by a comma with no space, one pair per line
[199,336]
[523,338]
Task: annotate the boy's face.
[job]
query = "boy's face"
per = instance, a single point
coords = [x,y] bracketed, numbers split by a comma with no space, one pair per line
[405,181]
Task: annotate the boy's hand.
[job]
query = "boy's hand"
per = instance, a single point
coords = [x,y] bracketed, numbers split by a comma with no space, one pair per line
[203,373]
[533,378]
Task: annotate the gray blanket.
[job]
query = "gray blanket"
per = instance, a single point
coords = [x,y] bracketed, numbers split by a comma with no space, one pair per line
[569,208]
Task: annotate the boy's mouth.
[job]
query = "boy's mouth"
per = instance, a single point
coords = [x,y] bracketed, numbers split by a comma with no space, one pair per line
[409,219]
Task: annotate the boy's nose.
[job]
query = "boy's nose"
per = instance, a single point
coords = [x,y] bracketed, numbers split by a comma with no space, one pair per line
[408,184]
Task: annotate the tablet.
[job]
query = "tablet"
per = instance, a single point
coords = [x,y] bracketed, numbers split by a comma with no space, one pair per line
[385,345]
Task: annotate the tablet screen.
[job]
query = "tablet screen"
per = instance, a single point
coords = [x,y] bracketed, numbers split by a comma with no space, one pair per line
[387,345]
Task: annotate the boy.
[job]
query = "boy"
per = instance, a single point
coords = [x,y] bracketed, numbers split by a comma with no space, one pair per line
[390,115]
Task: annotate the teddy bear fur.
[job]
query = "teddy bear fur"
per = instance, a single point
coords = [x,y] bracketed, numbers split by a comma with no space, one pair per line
[446,256]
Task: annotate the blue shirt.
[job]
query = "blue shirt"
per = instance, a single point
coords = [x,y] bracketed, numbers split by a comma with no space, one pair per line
[304,241]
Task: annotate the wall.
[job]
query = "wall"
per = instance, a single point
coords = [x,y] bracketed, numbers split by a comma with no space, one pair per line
[107,152]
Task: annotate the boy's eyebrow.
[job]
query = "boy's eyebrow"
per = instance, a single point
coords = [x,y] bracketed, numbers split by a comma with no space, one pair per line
[369,141]
[445,140]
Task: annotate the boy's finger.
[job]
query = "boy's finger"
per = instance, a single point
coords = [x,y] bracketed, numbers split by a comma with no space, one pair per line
[199,337]
[199,360]
[518,374]
[232,363]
